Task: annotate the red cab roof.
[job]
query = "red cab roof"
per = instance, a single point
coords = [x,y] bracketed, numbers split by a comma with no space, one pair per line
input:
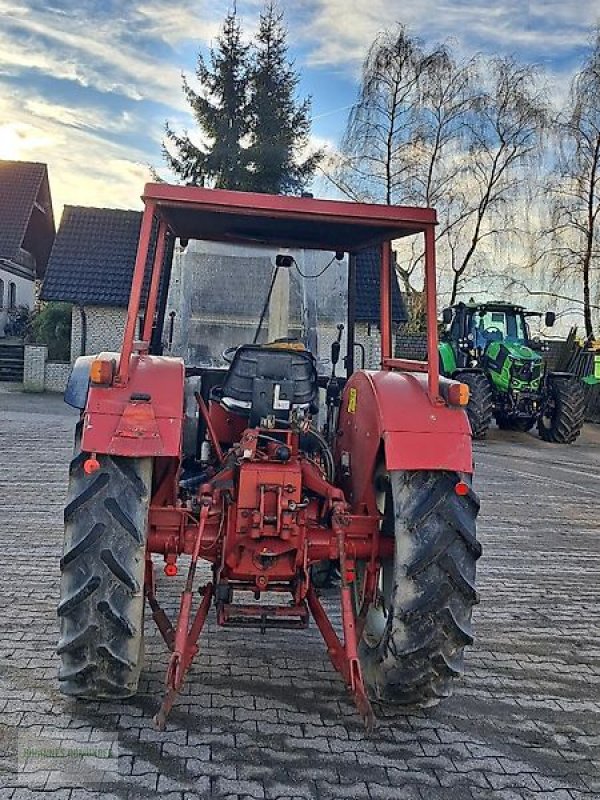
[251,218]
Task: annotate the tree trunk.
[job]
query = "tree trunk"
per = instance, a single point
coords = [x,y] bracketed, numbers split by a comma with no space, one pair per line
[589,243]
[455,281]
[587,310]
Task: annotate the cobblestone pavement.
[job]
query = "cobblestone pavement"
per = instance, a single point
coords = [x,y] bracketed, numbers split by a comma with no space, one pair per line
[266,717]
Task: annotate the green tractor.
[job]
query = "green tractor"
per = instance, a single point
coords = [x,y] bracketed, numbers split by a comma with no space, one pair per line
[489,347]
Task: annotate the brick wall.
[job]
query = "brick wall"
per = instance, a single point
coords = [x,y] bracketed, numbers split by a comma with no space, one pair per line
[551,357]
[34,367]
[370,338]
[41,375]
[411,345]
[56,375]
[368,335]
[104,330]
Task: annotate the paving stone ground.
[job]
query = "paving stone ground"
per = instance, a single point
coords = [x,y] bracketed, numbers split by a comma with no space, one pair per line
[266,718]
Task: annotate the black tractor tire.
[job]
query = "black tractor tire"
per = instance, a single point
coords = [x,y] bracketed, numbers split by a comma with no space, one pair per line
[522,424]
[481,402]
[412,647]
[561,420]
[101,608]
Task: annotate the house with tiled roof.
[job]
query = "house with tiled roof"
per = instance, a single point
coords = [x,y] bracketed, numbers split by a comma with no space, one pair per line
[91,266]
[26,233]
[216,295]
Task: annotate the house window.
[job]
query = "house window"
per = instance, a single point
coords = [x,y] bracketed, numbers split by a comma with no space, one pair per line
[1,294]
[12,295]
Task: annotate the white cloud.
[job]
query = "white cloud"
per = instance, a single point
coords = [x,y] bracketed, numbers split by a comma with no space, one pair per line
[112,53]
[102,52]
[84,117]
[116,53]
[85,168]
[337,33]
[177,22]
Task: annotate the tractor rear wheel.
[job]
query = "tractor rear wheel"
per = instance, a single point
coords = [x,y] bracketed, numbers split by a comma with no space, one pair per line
[101,607]
[481,403]
[415,633]
[562,416]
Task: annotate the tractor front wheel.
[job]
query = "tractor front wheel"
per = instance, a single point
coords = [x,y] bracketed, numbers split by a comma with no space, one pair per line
[415,633]
[563,413]
[481,403]
[101,607]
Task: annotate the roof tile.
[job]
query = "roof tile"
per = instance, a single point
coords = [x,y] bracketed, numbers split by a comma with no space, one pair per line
[20,185]
[94,254]
[367,289]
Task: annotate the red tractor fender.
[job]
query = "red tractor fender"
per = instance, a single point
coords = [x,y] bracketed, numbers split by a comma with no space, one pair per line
[143,417]
[390,414]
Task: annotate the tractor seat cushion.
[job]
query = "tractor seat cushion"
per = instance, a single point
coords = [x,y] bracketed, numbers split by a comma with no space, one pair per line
[275,378]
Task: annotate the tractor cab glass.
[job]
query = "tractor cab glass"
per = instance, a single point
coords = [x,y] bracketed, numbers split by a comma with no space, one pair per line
[497,326]
[248,294]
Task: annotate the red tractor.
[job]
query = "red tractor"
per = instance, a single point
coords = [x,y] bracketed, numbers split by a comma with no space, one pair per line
[384,488]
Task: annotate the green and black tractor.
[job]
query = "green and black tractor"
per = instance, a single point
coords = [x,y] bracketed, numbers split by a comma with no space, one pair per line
[489,347]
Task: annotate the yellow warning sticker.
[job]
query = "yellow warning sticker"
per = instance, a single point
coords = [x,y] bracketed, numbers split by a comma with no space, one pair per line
[352,394]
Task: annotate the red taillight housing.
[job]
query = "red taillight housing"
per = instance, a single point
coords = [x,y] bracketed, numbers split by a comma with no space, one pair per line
[461,488]
[91,465]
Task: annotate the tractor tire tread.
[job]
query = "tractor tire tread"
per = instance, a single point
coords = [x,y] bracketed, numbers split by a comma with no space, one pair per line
[568,420]
[120,572]
[90,491]
[102,576]
[480,409]
[90,539]
[429,621]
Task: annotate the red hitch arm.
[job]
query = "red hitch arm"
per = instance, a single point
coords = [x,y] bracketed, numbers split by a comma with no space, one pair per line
[185,644]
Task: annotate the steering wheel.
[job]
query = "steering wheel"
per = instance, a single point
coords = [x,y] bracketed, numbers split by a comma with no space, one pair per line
[229,353]
[492,330]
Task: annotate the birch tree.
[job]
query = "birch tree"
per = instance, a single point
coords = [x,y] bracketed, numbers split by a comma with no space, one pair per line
[575,188]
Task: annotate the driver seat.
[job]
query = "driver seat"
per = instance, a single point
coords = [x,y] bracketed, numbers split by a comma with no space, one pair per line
[272,381]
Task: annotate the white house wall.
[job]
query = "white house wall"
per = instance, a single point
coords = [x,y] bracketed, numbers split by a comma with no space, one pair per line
[24,290]
[104,330]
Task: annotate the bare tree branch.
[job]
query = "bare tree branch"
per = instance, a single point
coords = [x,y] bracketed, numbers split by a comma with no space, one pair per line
[573,186]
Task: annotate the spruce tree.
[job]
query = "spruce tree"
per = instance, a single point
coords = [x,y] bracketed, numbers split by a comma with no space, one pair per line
[279,124]
[221,112]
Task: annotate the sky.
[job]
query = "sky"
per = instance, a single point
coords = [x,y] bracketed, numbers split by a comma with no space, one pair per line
[86,87]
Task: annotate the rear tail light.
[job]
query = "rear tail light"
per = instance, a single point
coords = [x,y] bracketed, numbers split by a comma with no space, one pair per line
[102,371]
[458,394]
[91,465]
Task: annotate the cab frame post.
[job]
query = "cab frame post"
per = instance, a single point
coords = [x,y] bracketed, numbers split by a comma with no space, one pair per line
[137,283]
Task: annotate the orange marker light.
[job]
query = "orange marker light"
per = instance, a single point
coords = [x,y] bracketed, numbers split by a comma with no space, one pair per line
[458,394]
[102,371]
[90,465]
[461,488]
[170,570]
